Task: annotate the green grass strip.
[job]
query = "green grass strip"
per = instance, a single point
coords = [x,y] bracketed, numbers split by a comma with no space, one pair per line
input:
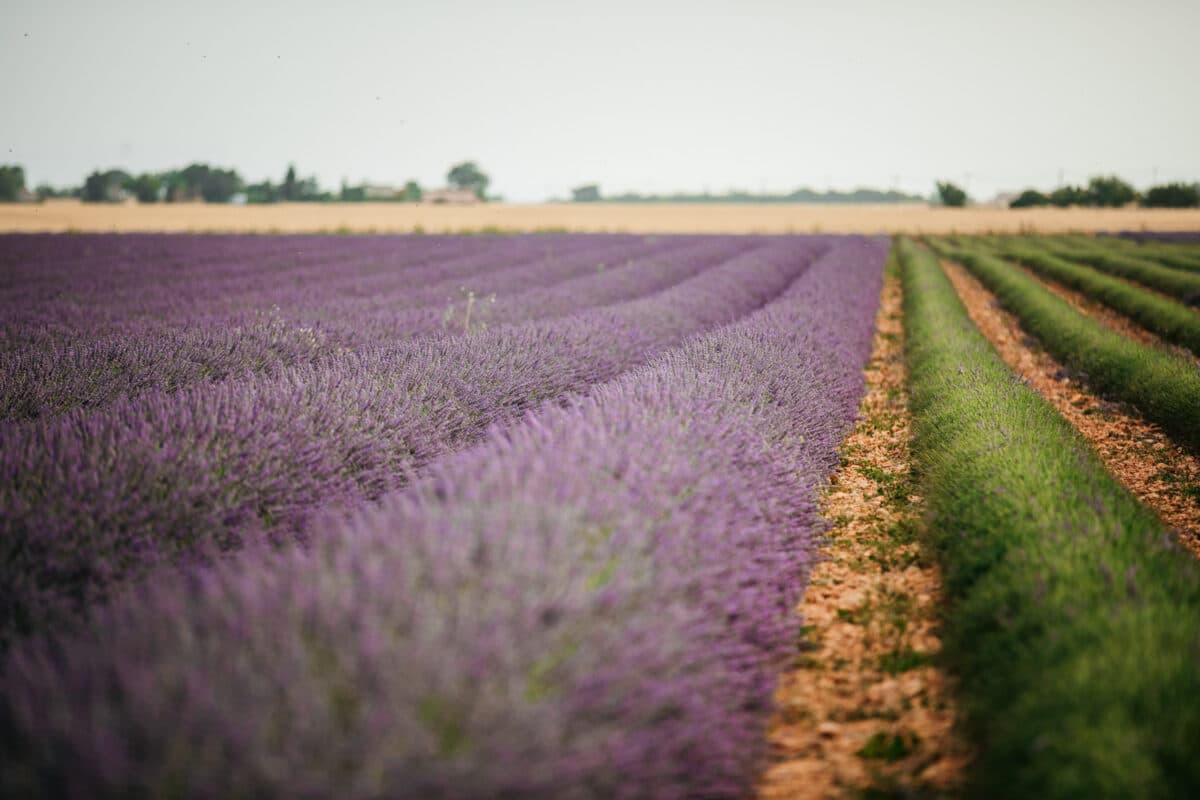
[1165,388]
[1073,619]
[1174,322]
[1177,256]
[1182,285]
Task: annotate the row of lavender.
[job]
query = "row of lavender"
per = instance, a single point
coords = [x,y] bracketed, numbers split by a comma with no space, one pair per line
[84,347]
[97,496]
[591,602]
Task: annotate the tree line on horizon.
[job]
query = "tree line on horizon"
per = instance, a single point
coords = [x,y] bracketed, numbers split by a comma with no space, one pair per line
[590,193]
[201,182]
[204,183]
[1101,191]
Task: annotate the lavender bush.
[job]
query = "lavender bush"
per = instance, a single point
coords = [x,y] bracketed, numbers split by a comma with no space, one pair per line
[591,602]
[97,496]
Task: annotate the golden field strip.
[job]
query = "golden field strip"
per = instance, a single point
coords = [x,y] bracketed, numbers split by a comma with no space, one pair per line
[71,215]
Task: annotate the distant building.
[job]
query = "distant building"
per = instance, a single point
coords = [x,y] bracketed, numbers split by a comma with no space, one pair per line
[453,196]
[1002,200]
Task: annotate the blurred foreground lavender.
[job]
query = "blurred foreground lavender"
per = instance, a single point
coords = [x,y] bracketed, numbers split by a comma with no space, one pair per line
[592,601]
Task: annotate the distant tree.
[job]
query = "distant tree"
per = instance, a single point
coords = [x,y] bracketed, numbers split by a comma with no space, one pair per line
[191,178]
[265,192]
[588,193]
[12,182]
[220,185]
[289,191]
[1030,198]
[1173,195]
[412,192]
[145,187]
[1109,191]
[951,195]
[105,187]
[1065,196]
[352,194]
[467,175]
[176,191]
[309,189]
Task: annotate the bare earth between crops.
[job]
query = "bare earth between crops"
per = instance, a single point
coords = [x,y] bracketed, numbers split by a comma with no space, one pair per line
[864,682]
[1138,453]
[914,218]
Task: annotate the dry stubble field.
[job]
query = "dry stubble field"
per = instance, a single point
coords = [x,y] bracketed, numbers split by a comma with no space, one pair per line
[69,215]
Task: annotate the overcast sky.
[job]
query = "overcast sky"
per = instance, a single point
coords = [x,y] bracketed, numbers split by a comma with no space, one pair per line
[652,96]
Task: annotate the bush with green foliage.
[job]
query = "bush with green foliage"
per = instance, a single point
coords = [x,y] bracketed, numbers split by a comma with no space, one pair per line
[1030,198]
[12,182]
[1073,620]
[468,175]
[106,187]
[951,196]
[264,192]
[1173,195]
[1109,191]
[589,193]
[145,187]
[1065,196]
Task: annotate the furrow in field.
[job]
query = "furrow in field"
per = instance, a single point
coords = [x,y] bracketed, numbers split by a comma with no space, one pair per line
[1140,454]
[866,707]
[94,497]
[592,603]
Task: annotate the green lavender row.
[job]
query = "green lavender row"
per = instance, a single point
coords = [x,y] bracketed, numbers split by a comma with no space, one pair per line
[1163,387]
[1074,617]
[1174,322]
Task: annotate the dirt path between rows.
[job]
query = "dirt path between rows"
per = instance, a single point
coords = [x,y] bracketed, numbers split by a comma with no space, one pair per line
[864,708]
[1162,475]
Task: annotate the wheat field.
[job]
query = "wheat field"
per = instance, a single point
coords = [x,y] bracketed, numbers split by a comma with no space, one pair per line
[71,215]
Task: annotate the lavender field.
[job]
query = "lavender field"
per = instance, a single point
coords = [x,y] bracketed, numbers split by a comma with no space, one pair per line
[412,516]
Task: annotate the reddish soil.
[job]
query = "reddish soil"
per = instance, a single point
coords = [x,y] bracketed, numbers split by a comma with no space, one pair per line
[864,708]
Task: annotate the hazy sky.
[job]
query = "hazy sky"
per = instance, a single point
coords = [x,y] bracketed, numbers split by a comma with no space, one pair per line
[654,96]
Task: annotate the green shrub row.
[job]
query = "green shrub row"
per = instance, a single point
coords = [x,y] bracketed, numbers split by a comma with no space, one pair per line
[1177,256]
[1073,618]
[1179,284]
[1174,322]
[1165,388]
